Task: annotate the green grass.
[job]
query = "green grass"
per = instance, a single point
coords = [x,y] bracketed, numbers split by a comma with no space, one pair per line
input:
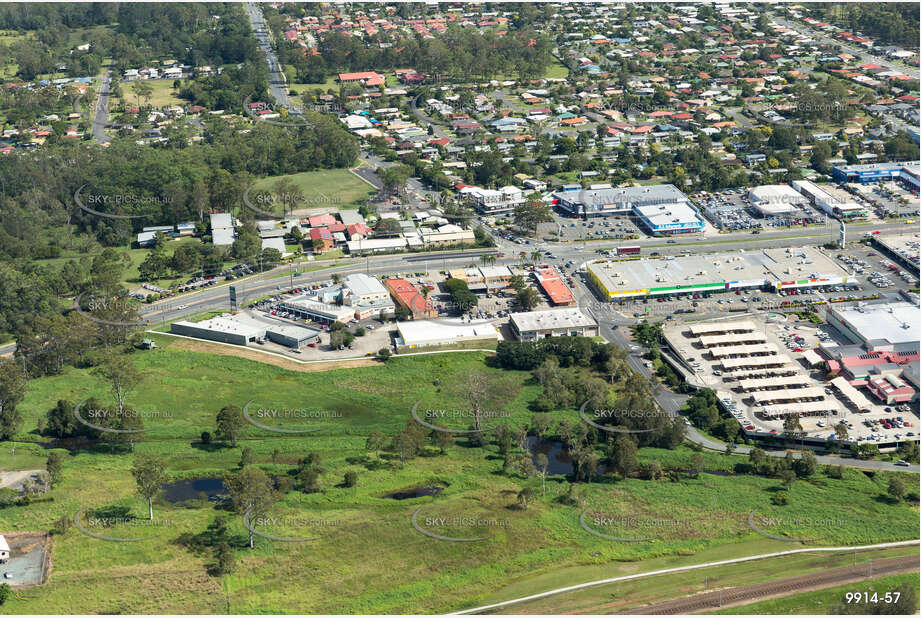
[163,94]
[826,601]
[372,560]
[333,189]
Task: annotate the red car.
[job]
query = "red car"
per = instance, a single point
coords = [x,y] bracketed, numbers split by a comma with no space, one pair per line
[500,255]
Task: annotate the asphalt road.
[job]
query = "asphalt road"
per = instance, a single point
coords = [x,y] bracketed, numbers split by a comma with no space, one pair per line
[863,55]
[101,116]
[278,88]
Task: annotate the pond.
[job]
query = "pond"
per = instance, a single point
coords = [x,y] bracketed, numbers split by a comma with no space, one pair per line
[417,492]
[211,489]
[557,455]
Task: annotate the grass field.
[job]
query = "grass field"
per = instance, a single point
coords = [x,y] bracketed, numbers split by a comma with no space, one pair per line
[825,601]
[163,93]
[408,572]
[333,189]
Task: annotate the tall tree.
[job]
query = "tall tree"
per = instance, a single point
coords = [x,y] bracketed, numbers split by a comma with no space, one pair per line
[230,424]
[149,473]
[12,389]
[252,493]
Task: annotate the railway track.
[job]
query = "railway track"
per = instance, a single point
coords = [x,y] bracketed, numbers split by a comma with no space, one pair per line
[740,594]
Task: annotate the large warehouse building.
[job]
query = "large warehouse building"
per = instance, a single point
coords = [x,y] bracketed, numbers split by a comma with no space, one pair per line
[429,333]
[534,325]
[775,200]
[905,172]
[830,200]
[878,327]
[661,209]
[773,269]
[243,330]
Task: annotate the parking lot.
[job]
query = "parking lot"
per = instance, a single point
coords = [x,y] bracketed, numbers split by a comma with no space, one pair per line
[731,211]
[887,199]
[881,424]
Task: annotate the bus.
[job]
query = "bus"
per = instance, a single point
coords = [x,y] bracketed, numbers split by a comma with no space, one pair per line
[628,250]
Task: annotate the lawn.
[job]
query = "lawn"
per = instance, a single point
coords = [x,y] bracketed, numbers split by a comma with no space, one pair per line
[179,395]
[163,93]
[334,189]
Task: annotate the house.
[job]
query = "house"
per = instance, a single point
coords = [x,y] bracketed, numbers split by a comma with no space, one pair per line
[322,239]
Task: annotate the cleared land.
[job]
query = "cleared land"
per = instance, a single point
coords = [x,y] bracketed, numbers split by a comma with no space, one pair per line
[324,189]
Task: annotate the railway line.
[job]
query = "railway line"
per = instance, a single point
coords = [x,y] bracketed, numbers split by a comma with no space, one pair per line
[784,587]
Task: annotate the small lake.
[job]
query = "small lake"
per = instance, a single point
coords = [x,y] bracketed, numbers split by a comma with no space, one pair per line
[418,492]
[557,454]
[211,489]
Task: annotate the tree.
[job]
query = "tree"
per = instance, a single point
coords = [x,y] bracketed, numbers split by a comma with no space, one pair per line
[623,455]
[443,440]
[806,465]
[246,457]
[351,478]
[527,298]
[252,493]
[897,488]
[375,443]
[525,496]
[654,471]
[787,476]
[224,560]
[697,464]
[792,427]
[122,376]
[12,389]
[54,465]
[841,431]
[479,391]
[5,592]
[530,214]
[149,474]
[542,464]
[230,424]
[540,424]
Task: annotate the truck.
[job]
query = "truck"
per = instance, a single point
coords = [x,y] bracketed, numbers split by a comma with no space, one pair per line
[629,250]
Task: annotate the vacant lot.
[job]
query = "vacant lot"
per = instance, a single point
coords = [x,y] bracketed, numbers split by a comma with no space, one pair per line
[182,390]
[324,189]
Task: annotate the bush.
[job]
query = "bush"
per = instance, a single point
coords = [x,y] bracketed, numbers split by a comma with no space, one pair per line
[351,478]
[780,498]
[360,331]
[206,437]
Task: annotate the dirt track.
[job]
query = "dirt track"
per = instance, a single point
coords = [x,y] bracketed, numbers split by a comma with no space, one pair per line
[742,595]
[255,355]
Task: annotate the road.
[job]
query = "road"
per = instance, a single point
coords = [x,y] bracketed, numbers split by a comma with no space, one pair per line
[101,115]
[863,55]
[278,87]
[693,567]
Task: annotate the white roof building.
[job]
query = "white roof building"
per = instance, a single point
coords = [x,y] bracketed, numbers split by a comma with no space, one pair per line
[425,333]
[772,200]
